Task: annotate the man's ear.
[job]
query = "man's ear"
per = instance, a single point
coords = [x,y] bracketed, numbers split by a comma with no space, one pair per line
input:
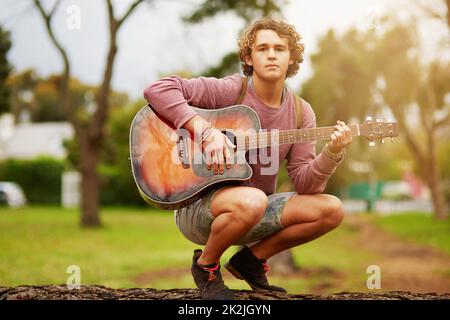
[291,62]
[248,60]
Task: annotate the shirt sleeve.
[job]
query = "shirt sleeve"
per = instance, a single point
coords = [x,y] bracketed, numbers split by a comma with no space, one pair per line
[309,173]
[172,96]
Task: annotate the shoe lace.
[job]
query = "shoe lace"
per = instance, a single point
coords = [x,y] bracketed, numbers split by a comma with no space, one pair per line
[212,272]
[266,266]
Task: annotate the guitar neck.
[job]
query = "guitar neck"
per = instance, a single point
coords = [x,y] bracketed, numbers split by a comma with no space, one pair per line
[279,137]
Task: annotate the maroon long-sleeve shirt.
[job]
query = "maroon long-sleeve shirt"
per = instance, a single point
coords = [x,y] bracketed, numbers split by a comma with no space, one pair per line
[172,96]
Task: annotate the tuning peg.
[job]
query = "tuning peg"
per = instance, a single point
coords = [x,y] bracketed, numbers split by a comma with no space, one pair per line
[382,141]
[379,120]
[371,143]
[392,139]
[368,118]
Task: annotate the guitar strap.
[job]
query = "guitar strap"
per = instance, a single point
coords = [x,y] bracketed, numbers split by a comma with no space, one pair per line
[298,102]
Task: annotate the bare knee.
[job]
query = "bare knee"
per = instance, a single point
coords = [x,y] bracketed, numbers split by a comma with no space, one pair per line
[333,211]
[250,205]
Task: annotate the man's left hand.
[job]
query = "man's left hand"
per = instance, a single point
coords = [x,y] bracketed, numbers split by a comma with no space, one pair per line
[340,138]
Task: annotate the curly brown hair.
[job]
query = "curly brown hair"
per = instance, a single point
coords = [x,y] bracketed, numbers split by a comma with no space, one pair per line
[284,30]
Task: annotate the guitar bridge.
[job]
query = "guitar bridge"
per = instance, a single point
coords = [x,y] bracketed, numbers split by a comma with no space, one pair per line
[182,148]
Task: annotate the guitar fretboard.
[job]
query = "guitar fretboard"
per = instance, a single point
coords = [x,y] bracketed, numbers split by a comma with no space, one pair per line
[279,137]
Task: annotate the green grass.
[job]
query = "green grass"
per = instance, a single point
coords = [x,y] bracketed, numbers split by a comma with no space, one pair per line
[419,228]
[38,244]
[143,248]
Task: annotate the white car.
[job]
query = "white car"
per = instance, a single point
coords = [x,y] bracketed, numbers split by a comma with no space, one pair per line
[12,194]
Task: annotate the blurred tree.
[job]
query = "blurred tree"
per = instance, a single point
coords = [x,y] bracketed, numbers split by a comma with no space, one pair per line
[358,74]
[429,9]
[36,99]
[5,69]
[247,10]
[229,64]
[343,75]
[408,87]
[22,85]
[89,124]
[341,89]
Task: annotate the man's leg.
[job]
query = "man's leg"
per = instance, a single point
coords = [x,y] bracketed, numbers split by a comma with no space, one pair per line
[304,218]
[236,211]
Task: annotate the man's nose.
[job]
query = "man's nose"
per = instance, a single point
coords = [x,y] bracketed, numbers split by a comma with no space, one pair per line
[271,53]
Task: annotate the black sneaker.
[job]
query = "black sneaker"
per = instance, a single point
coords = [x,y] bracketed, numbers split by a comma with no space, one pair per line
[209,280]
[245,266]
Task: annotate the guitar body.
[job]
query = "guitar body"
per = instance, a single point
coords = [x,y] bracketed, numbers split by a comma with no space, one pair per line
[167,164]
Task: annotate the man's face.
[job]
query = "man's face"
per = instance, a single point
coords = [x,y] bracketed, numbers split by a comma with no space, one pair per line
[270,56]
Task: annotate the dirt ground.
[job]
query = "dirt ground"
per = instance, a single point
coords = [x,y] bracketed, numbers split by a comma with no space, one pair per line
[102,293]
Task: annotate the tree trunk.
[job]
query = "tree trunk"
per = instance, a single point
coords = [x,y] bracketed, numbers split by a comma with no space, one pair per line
[437,193]
[433,178]
[427,164]
[89,183]
[283,263]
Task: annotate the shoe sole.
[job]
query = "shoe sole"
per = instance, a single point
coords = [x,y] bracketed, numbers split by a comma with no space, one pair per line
[236,273]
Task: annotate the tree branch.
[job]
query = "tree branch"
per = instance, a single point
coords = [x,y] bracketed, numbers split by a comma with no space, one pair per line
[96,128]
[129,11]
[417,152]
[110,10]
[444,121]
[435,14]
[55,6]
[64,87]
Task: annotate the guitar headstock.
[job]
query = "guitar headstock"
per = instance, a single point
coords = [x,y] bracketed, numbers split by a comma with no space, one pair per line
[377,130]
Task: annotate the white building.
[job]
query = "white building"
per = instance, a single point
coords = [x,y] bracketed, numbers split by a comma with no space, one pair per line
[31,140]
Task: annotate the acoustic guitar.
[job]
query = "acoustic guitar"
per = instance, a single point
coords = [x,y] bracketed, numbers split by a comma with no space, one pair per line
[168,165]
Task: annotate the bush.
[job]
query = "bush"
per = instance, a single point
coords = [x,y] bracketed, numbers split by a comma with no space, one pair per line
[39,178]
[118,187]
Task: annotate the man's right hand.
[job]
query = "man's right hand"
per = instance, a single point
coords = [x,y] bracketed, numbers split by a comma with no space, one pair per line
[216,150]
[215,146]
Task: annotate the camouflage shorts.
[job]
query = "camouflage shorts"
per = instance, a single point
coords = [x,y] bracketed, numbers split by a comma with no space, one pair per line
[194,221]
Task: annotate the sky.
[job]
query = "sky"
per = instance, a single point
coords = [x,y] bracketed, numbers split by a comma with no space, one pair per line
[155,42]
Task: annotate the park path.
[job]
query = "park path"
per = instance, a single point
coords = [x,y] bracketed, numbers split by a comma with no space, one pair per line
[404,265]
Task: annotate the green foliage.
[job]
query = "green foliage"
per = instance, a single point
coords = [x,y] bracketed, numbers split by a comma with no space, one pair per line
[246,9]
[5,69]
[39,96]
[344,72]
[118,186]
[229,64]
[368,73]
[40,178]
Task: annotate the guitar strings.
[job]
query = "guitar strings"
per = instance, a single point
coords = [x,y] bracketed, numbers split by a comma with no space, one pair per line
[264,139]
